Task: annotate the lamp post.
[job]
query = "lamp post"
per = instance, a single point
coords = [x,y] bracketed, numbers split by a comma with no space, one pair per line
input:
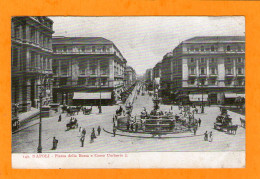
[100,109]
[202,105]
[42,85]
[39,149]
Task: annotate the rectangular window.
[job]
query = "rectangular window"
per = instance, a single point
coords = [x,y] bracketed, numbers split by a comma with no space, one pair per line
[229,71]
[213,60]
[192,71]
[239,60]
[15,56]
[82,72]
[213,71]
[33,34]
[212,82]
[64,71]
[240,71]
[202,71]
[202,60]
[191,81]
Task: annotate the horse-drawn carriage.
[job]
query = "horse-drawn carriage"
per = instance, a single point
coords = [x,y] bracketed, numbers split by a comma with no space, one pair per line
[87,111]
[73,124]
[224,123]
[243,122]
[71,110]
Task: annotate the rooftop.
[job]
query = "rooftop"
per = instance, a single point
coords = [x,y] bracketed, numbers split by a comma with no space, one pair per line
[81,40]
[215,39]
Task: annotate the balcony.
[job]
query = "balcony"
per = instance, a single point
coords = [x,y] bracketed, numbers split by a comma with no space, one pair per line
[241,75]
[229,75]
[47,48]
[213,75]
[192,75]
[83,53]
[213,52]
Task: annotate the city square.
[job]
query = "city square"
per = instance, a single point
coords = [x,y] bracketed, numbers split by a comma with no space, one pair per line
[66,89]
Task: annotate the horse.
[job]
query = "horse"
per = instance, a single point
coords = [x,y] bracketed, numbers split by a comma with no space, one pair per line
[232,129]
[87,111]
[243,122]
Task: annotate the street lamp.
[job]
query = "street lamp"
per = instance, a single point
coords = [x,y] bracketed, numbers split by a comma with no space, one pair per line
[202,105]
[42,84]
[100,109]
[39,149]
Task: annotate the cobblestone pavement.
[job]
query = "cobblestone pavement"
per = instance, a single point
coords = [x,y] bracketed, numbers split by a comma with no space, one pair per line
[26,141]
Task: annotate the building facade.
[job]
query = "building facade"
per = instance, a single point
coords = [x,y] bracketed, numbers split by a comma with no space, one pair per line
[149,79]
[87,69]
[31,61]
[157,73]
[207,68]
[130,76]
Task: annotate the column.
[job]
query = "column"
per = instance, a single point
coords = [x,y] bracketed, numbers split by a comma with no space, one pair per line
[221,72]
[185,72]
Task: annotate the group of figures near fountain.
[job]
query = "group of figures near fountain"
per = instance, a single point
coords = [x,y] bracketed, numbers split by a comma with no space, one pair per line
[157,122]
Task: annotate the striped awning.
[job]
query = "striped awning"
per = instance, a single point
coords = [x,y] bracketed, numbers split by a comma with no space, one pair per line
[85,95]
[198,97]
[230,95]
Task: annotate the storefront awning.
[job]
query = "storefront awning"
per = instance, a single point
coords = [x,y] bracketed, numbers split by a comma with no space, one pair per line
[198,97]
[241,95]
[85,95]
[230,95]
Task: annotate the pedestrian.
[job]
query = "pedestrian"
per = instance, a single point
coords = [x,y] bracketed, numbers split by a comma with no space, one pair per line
[210,136]
[94,134]
[199,122]
[59,118]
[54,143]
[171,108]
[113,118]
[82,139]
[92,137]
[80,130]
[99,130]
[195,130]
[136,127]
[132,126]
[127,126]
[114,130]
[206,136]
[84,132]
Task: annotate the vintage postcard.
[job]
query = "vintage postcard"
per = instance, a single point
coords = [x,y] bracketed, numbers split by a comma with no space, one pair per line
[128,92]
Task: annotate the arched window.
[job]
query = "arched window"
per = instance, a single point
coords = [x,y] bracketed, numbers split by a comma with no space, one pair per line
[228,48]
[212,48]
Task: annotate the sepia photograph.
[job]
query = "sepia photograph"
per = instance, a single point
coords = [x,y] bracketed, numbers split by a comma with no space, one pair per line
[113,87]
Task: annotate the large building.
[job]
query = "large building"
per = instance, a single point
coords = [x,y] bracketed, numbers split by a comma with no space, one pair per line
[86,70]
[157,73]
[206,68]
[149,78]
[31,61]
[130,76]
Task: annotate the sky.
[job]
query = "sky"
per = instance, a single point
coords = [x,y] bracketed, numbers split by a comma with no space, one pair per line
[143,41]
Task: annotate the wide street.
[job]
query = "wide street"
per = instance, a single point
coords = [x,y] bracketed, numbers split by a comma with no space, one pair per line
[26,141]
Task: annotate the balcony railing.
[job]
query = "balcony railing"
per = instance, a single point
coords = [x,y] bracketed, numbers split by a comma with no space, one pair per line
[213,52]
[84,52]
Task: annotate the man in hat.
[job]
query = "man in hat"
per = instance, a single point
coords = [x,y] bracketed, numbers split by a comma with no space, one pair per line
[54,143]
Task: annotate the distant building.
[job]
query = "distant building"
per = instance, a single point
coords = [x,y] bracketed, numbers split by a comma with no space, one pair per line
[31,60]
[157,73]
[130,76]
[207,68]
[149,78]
[87,69]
